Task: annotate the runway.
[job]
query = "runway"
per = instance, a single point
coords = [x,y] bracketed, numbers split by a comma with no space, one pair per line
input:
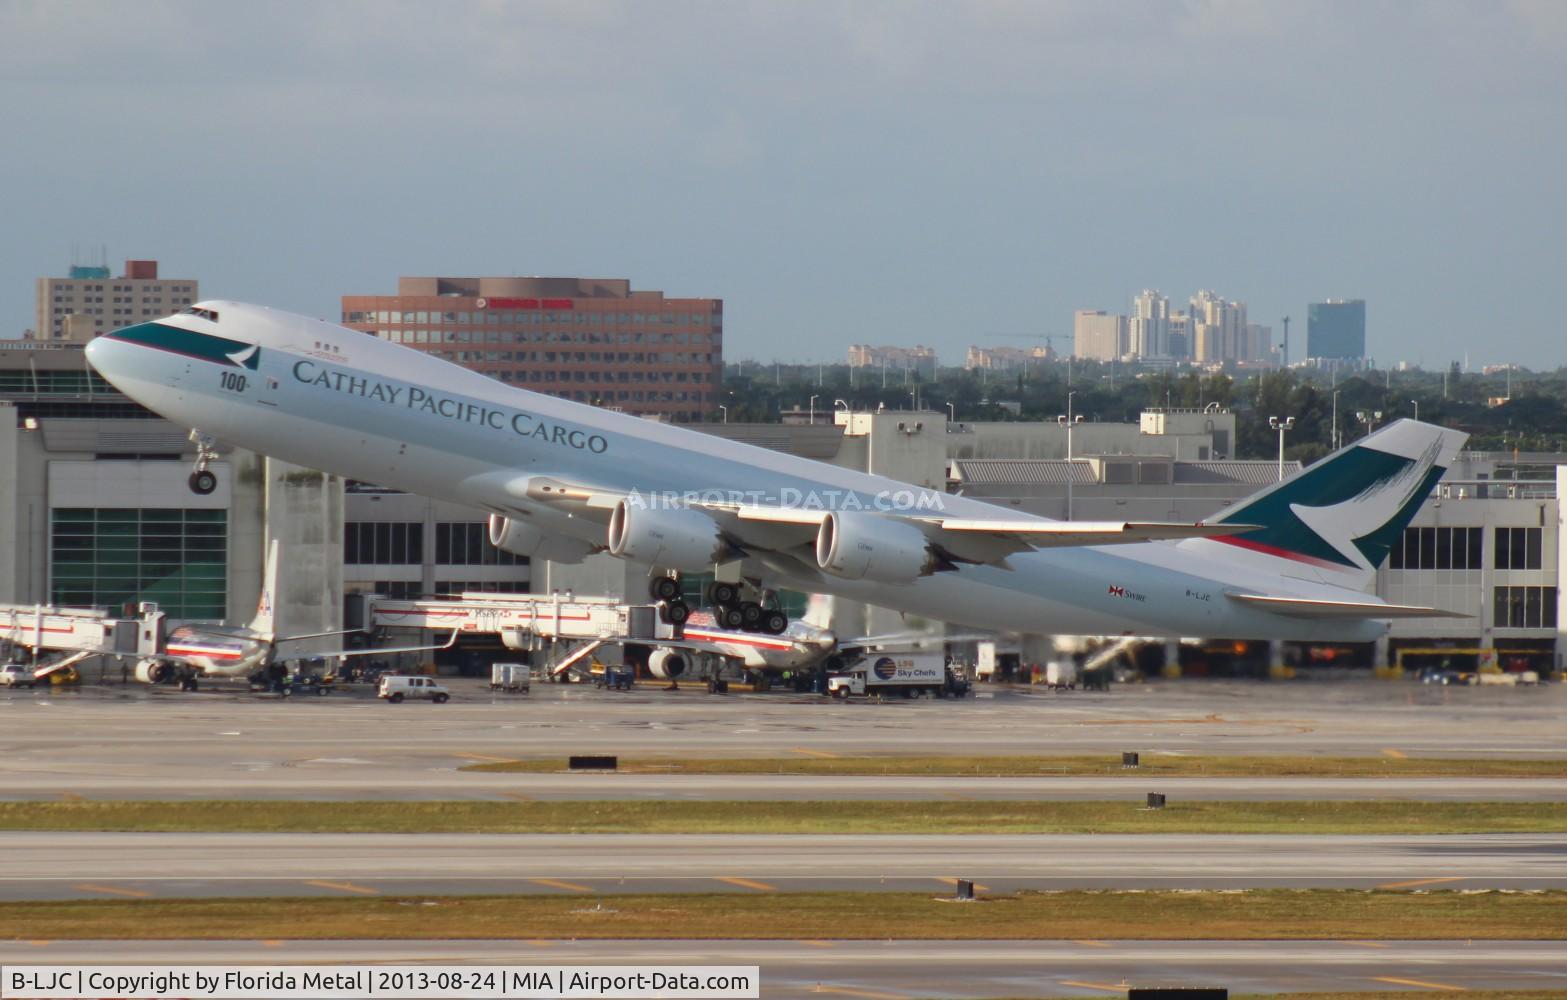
[133,743]
[51,865]
[906,969]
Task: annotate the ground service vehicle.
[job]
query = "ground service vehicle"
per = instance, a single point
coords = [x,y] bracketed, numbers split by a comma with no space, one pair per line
[17,675]
[910,675]
[395,688]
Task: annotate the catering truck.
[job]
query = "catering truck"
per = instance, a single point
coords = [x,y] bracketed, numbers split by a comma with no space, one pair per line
[909,675]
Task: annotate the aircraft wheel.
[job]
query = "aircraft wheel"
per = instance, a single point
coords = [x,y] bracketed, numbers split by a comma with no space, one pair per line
[664,588]
[775,623]
[203,482]
[721,593]
[751,616]
[730,617]
[674,612]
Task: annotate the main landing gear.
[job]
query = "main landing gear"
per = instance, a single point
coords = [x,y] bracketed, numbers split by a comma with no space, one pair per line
[669,592]
[733,612]
[203,480]
[730,609]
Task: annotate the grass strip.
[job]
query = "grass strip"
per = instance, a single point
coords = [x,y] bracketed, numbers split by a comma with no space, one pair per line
[1335,817]
[1272,914]
[1103,765]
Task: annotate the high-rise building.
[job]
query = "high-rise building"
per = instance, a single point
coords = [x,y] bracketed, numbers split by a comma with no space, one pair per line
[89,302]
[1336,329]
[1218,328]
[1098,335]
[1180,335]
[1258,345]
[1148,330]
[593,340]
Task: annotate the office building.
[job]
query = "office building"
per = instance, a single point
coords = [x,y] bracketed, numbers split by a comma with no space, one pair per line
[90,302]
[919,359]
[592,340]
[1336,330]
[1004,358]
[1098,335]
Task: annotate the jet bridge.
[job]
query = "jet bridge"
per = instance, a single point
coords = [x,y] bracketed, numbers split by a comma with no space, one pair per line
[523,621]
[80,632]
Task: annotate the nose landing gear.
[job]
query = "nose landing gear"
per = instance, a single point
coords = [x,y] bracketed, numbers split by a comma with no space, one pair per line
[203,480]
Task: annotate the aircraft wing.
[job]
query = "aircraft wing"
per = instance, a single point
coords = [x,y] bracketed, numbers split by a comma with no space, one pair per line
[979,540]
[1309,607]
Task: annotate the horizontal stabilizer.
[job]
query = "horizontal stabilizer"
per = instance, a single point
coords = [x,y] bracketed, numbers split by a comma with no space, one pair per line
[1309,607]
[1046,534]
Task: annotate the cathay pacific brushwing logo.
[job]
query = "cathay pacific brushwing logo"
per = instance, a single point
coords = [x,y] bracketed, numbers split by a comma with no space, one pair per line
[1355,527]
[1346,512]
[250,357]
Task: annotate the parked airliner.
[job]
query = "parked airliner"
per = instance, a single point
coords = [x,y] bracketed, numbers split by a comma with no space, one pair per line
[563,480]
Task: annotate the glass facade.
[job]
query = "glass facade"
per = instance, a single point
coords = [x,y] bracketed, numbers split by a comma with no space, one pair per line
[113,556]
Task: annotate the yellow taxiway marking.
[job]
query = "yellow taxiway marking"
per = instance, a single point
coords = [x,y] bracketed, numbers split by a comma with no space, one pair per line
[1419,982]
[819,944]
[1395,754]
[273,943]
[71,797]
[1421,881]
[812,753]
[746,883]
[112,890]
[40,944]
[343,887]
[868,994]
[515,796]
[1093,986]
[1092,944]
[1367,944]
[555,883]
[953,881]
[543,943]
[487,758]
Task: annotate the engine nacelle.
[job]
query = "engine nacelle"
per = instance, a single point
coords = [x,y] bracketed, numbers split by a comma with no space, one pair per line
[666,664]
[668,538]
[524,539]
[154,671]
[858,546]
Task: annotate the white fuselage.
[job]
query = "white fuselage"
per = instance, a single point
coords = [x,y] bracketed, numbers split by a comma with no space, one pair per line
[320,395]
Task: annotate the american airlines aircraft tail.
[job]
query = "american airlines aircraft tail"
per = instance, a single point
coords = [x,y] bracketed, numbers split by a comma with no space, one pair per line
[1337,520]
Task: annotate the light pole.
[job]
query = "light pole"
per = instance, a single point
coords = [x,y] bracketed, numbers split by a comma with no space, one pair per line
[1333,438]
[1281,426]
[1369,418]
[1417,408]
[1068,421]
[721,406]
[952,413]
[813,411]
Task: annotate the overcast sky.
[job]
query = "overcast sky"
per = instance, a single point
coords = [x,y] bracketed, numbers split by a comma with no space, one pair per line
[895,172]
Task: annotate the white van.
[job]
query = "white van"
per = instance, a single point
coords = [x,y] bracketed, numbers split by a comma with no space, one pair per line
[395,688]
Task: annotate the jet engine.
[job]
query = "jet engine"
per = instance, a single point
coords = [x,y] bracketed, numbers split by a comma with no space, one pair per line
[524,539]
[666,664]
[859,546]
[669,538]
[154,671]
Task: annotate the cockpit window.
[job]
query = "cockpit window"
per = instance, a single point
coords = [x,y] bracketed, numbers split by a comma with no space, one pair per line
[208,314]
